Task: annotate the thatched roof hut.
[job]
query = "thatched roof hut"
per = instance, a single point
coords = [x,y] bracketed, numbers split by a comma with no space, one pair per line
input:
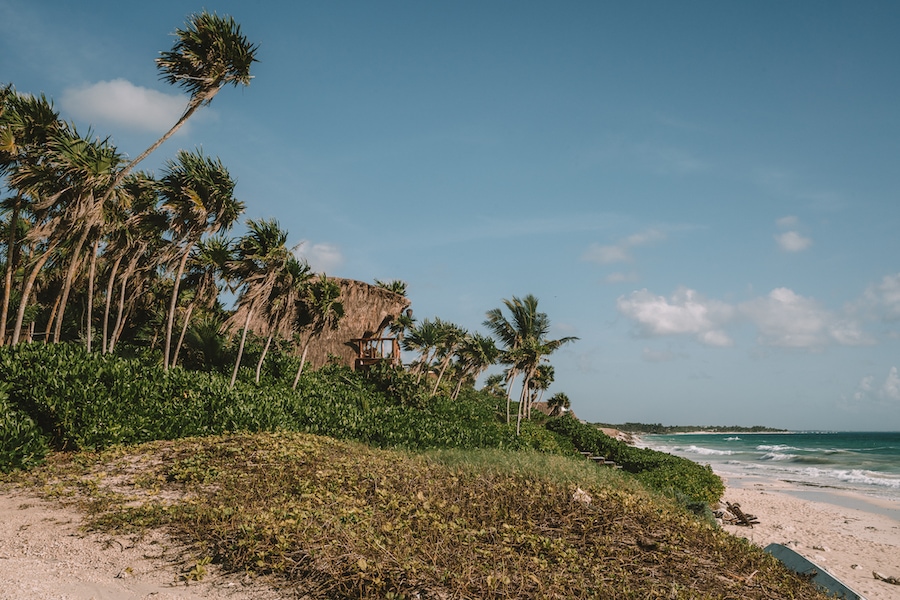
[368,310]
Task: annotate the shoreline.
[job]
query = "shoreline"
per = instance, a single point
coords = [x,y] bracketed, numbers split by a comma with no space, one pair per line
[848,534]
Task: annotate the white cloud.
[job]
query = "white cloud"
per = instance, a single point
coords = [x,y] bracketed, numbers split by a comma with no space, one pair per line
[791,241]
[890,390]
[620,252]
[884,297]
[322,257]
[788,320]
[783,319]
[884,394]
[685,312]
[119,102]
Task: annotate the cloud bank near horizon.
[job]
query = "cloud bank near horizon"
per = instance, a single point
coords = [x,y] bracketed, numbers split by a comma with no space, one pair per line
[782,318]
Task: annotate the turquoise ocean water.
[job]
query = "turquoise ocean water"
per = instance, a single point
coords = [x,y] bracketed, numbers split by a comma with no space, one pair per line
[867,463]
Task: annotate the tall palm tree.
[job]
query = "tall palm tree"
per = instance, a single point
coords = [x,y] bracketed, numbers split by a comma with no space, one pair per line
[198,194]
[261,257]
[321,308]
[424,339]
[84,168]
[451,338]
[209,53]
[280,312]
[206,266]
[524,337]
[26,124]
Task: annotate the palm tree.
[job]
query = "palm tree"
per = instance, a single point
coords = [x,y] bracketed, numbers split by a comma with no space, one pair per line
[198,194]
[424,339]
[451,337]
[557,403]
[261,257]
[26,124]
[476,353]
[280,312]
[84,169]
[206,266]
[397,286]
[209,53]
[321,309]
[525,339]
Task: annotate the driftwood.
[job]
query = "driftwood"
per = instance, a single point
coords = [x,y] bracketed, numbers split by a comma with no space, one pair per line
[741,518]
[885,578]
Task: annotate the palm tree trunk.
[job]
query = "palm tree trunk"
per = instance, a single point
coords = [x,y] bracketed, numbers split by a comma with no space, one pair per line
[10,268]
[302,362]
[509,380]
[237,363]
[192,106]
[110,285]
[26,292]
[173,303]
[92,271]
[120,321]
[444,364]
[184,326]
[522,400]
[67,284]
[262,356]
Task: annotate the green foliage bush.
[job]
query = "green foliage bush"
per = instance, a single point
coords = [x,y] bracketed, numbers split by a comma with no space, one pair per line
[22,445]
[79,400]
[664,472]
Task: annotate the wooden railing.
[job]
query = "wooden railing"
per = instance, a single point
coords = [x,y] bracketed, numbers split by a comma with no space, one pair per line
[373,351]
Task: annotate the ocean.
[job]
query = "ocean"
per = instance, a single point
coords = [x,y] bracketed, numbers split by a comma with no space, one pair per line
[867,463]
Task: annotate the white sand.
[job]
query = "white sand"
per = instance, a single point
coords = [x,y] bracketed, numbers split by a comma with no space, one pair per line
[45,556]
[846,536]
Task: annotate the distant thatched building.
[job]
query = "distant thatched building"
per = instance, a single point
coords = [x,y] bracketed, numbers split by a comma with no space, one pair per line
[368,310]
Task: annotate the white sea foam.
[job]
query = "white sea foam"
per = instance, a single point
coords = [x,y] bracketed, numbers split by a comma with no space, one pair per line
[708,451]
[732,439]
[776,448]
[857,476]
[778,456]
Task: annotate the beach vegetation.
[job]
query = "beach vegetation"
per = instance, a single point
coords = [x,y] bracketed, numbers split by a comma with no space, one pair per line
[322,518]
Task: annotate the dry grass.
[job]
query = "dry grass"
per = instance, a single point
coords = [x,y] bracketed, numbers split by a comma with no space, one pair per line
[339,520]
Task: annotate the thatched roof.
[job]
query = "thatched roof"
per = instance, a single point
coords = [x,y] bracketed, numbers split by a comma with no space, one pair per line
[368,309]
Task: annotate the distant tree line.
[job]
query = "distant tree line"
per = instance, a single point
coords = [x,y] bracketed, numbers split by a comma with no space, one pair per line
[659,428]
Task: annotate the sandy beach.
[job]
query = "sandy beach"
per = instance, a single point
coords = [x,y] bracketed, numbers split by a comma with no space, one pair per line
[849,535]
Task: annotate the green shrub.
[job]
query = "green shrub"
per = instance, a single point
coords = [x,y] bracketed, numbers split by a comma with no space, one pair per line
[22,444]
[664,472]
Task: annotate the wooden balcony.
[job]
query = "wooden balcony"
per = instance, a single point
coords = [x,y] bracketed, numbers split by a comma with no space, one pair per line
[373,351]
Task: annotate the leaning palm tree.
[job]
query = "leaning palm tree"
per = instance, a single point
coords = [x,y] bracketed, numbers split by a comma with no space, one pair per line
[206,267]
[321,308]
[451,338]
[476,353]
[280,312]
[26,124]
[261,256]
[209,53]
[198,194]
[424,339]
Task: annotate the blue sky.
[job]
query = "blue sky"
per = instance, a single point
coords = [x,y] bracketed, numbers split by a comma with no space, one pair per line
[707,194]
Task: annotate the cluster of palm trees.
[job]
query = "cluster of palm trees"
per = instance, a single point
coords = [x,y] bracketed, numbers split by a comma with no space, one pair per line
[521,345]
[84,228]
[129,252]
